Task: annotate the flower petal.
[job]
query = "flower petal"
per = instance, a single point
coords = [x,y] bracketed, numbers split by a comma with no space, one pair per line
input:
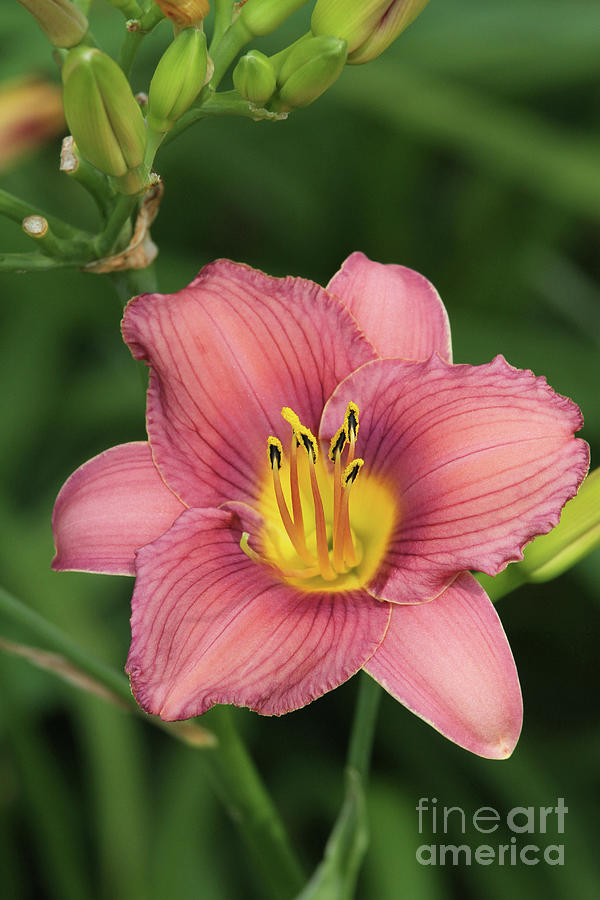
[449,662]
[227,353]
[400,312]
[211,626]
[481,459]
[110,506]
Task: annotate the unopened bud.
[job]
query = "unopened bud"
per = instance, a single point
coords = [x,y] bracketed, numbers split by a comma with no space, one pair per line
[254,78]
[63,24]
[260,17]
[184,12]
[311,67]
[178,79]
[368,26]
[576,535]
[103,116]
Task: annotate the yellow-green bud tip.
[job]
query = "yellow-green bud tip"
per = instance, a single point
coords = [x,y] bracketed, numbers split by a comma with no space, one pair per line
[254,78]
[64,24]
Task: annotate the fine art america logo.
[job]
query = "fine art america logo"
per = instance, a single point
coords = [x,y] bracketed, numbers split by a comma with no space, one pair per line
[524,847]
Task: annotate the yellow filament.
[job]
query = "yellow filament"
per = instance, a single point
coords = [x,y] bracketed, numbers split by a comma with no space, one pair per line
[339,557]
[295,493]
[299,544]
[337,491]
[320,529]
[343,545]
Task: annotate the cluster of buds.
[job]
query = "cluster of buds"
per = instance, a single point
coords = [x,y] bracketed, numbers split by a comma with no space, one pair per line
[342,31]
[293,78]
[106,120]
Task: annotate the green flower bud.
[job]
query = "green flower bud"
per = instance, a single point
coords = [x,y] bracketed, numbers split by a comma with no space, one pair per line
[178,79]
[368,26]
[261,17]
[254,77]
[63,24]
[549,555]
[576,535]
[311,67]
[103,116]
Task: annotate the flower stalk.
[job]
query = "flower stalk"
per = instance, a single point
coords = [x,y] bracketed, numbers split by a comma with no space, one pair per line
[227,764]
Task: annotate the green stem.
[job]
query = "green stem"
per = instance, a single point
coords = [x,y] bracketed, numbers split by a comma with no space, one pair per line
[223,17]
[229,765]
[363,725]
[129,48]
[16,209]
[241,789]
[336,874]
[224,103]
[58,641]
[95,183]
[132,282]
[151,18]
[31,262]
[122,211]
[225,50]
[76,251]
[133,39]
[153,141]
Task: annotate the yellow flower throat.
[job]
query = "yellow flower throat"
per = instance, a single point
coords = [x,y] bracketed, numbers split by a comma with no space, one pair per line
[312,536]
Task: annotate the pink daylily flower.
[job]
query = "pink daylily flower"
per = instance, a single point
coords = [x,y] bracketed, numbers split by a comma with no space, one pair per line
[318,480]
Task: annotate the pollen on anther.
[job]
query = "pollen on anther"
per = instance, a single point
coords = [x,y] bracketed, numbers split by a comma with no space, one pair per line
[337,443]
[351,471]
[290,417]
[275,452]
[308,441]
[351,421]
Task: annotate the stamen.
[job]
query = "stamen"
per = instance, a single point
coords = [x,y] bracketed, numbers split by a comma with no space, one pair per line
[309,442]
[291,418]
[351,471]
[344,556]
[275,453]
[350,474]
[320,528]
[351,421]
[343,545]
[338,442]
[351,429]
[295,489]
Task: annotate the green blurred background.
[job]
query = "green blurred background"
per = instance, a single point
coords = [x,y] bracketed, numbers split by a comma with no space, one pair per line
[471,152]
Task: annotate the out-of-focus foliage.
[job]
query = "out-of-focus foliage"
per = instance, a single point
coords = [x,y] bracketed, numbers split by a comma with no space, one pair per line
[469,151]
